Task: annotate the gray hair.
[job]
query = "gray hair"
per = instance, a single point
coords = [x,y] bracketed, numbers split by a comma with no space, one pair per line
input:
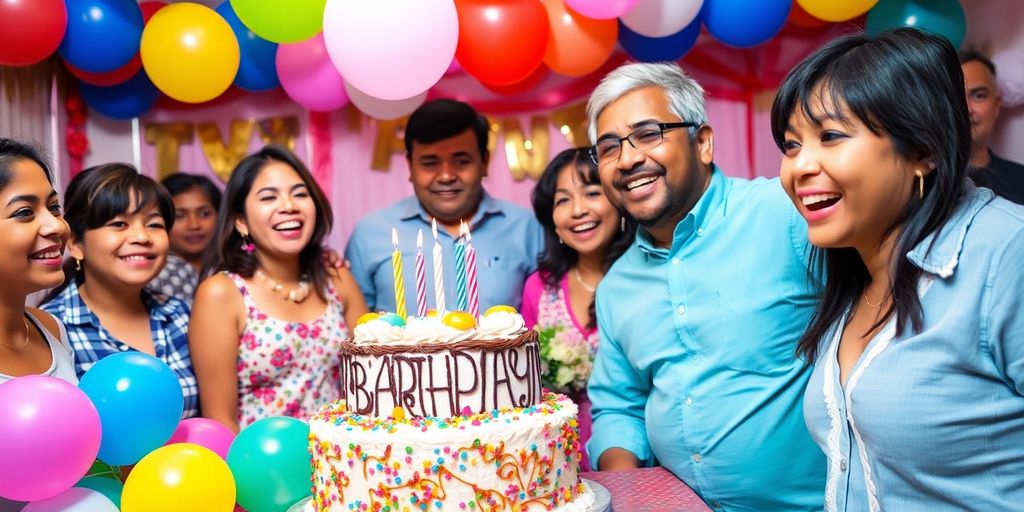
[685,95]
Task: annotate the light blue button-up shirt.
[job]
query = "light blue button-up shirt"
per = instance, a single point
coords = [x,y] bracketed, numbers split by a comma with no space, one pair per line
[935,420]
[697,365]
[507,239]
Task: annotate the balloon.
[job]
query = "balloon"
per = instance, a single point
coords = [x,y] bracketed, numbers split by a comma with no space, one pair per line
[139,400]
[50,433]
[30,30]
[75,499]
[501,41]
[281,21]
[658,49]
[744,23]
[106,486]
[801,18]
[257,71]
[662,18]
[149,9]
[416,38]
[836,10]
[122,101]
[309,78]
[577,45]
[523,85]
[117,76]
[942,17]
[190,52]
[383,109]
[180,477]
[601,9]
[206,433]
[454,67]
[102,35]
[271,464]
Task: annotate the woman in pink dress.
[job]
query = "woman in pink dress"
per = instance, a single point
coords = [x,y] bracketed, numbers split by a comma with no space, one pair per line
[584,234]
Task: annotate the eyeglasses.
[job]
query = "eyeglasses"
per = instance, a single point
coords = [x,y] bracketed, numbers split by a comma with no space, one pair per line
[644,137]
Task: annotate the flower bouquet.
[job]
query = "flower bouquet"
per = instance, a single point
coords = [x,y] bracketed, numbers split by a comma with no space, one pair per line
[566,360]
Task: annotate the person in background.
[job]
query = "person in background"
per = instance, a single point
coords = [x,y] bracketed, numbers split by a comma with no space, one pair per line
[584,234]
[196,200]
[446,147]
[270,317]
[917,394]
[1004,177]
[119,222]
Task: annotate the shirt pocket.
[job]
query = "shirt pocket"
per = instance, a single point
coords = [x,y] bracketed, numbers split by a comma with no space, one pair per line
[758,336]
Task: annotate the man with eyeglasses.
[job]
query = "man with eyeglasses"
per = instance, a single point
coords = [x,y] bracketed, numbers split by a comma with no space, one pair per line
[700,318]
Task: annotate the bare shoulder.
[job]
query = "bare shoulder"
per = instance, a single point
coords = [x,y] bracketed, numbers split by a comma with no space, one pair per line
[49,322]
[217,289]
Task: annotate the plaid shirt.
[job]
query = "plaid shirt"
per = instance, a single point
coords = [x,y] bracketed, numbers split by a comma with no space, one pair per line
[168,321]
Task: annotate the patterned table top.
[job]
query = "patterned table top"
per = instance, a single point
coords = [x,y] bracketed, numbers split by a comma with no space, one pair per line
[648,490]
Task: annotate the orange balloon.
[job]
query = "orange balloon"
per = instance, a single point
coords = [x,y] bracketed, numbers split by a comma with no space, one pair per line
[578,45]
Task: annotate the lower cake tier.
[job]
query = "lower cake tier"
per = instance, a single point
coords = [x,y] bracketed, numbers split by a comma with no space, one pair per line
[516,460]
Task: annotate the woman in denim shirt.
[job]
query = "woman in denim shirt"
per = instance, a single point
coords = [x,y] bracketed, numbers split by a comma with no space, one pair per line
[916,396]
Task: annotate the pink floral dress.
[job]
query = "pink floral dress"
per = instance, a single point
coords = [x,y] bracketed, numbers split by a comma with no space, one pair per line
[288,368]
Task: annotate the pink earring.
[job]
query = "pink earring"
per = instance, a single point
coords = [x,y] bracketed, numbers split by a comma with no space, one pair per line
[247,245]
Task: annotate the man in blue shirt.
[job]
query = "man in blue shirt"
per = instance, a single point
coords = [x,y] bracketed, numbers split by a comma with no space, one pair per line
[699,319]
[446,147]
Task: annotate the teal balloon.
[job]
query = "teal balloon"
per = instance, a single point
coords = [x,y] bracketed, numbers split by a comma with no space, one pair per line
[271,465]
[106,486]
[942,17]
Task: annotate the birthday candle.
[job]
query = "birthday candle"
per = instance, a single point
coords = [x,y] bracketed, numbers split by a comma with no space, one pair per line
[474,292]
[396,265]
[421,278]
[462,302]
[438,273]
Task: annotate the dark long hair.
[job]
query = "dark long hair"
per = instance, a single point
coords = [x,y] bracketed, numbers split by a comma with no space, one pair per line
[227,253]
[11,151]
[558,258]
[908,86]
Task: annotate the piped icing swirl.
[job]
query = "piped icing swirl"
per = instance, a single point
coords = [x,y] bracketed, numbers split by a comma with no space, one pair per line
[500,324]
[431,329]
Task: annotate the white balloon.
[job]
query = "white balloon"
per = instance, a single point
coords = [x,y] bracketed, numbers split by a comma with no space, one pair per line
[75,499]
[383,109]
[661,18]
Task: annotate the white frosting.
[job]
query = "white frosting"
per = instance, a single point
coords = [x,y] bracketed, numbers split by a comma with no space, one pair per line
[497,325]
[378,331]
[430,329]
[500,324]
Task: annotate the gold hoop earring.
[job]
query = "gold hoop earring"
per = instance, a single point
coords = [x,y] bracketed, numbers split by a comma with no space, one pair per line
[78,265]
[920,184]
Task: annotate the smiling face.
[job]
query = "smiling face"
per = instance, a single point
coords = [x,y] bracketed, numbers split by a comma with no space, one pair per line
[983,101]
[195,218]
[446,176]
[33,230]
[130,249]
[847,181]
[659,186]
[584,218]
[280,214]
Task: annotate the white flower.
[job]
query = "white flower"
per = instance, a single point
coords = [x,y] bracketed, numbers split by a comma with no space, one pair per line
[564,376]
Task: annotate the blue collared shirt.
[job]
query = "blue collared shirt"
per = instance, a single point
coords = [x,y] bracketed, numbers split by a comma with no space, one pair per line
[697,366]
[935,420]
[168,323]
[507,239]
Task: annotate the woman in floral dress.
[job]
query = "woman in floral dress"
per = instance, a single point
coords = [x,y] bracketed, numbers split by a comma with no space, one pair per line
[584,235]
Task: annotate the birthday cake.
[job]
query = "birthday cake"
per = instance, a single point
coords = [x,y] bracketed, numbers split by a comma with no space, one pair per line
[445,414]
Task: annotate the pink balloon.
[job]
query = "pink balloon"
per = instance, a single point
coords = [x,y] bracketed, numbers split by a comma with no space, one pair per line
[601,9]
[384,109]
[309,78]
[391,50]
[204,432]
[50,432]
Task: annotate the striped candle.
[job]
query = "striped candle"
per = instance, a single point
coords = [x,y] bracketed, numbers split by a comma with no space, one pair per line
[421,278]
[474,292]
[396,266]
[438,273]
[461,299]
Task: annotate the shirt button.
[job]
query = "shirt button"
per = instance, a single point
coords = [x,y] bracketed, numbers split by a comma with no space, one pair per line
[676,261]
[700,231]
[696,457]
[681,309]
[688,401]
[842,465]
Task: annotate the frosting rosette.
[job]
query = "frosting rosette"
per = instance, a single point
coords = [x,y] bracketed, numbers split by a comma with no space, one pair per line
[378,331]
[500,324]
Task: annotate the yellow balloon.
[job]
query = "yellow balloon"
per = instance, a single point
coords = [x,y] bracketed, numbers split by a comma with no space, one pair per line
[459,320]
[189,52]
[179,477]
[836,10]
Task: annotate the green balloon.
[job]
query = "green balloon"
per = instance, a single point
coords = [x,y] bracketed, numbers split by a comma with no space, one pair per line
[281,21]
[109,487]
[942,17]
[271,465]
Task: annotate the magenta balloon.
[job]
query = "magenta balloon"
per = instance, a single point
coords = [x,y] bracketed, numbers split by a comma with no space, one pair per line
[453,68]
[391,50]
[50,432]
[204,432]
[309,78]
[601,9]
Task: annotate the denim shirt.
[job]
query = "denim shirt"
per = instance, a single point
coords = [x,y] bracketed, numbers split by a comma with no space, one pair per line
[935,420]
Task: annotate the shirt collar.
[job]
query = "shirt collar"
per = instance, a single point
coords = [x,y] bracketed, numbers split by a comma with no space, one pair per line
[939,252]
[159,307]
[413,209]
[697,220]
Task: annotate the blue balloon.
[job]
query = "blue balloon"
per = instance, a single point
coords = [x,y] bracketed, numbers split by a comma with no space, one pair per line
[942,17]
[102,35]
[745,23]
[121,101]
[140,403]
[658,49]
[257,69]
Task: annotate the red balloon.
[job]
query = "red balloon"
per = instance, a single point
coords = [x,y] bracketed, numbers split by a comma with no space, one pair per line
[523,85]
[801,18]
[501,41]
[30,30]
[149,9]
[117,76]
